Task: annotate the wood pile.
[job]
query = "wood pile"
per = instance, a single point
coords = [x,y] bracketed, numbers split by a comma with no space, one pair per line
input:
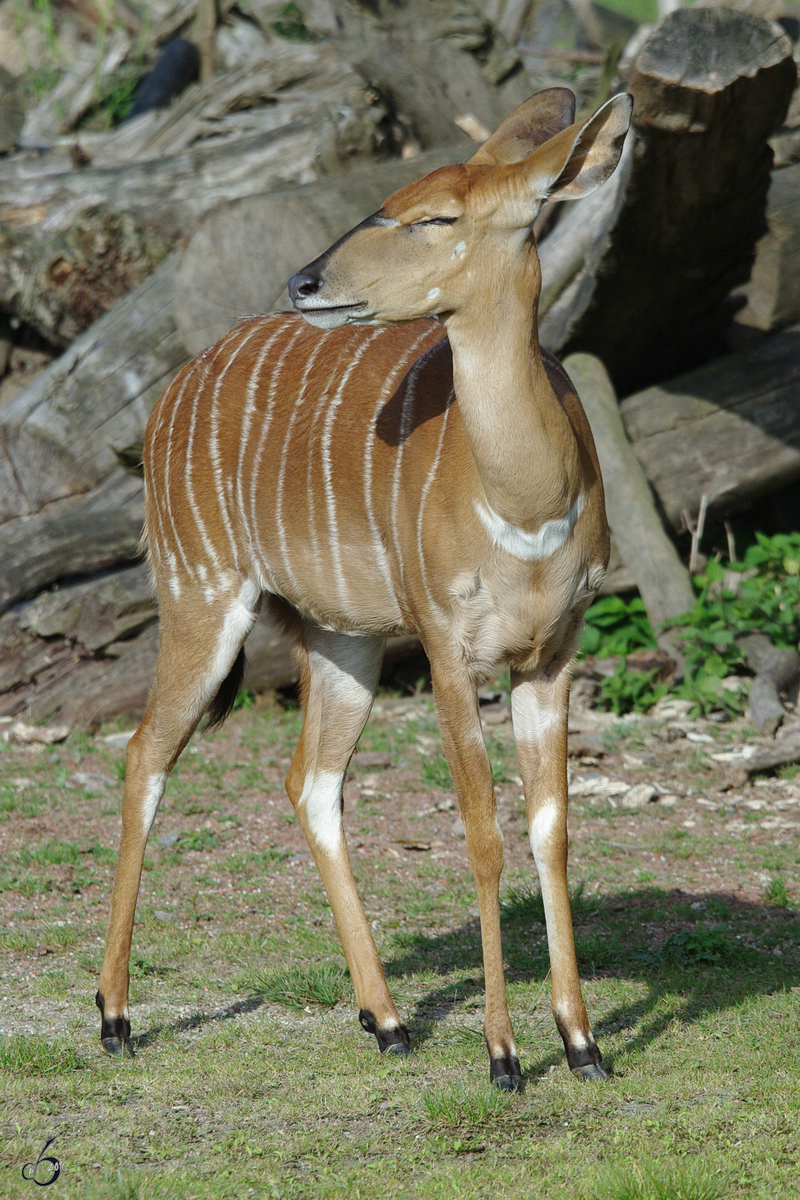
[127,247]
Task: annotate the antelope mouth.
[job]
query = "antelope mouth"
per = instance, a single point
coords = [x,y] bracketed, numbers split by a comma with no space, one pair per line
[330,316]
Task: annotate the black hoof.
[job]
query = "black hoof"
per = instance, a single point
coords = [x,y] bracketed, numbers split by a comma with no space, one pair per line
[400,1049]
[390,1041]
[508,1083]
[115,1045]
[115,1032]
[505,1074]
[591,1071]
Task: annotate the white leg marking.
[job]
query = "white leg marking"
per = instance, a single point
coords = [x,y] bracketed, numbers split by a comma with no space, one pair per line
[151,801]
[322,801]
[531,719]
[542,827]
[550,536]
[239,620]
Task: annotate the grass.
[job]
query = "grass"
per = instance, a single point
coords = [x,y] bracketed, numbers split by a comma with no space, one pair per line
[252,1076]
[297,987]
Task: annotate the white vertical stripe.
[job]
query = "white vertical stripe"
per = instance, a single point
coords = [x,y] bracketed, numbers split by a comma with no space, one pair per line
[424,496]
[298,404]
[213,443]
[210,359]
[327,470]
[386,391]
[251,393]
[165,490]
[406,415]
[277,370]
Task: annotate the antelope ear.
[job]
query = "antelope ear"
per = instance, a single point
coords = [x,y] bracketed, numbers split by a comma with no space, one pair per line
[575,162]
[529,126]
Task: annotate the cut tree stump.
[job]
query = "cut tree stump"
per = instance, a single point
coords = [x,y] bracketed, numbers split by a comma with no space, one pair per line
[709,87]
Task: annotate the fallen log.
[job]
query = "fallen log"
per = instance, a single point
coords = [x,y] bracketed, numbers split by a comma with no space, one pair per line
[62,435]
[435,61]
[709,87]
[776,674]
[729,431]
[73,241]
[646,549]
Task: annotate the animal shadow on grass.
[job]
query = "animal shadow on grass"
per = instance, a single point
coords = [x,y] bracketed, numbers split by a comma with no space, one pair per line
[712,949]
[196,1021]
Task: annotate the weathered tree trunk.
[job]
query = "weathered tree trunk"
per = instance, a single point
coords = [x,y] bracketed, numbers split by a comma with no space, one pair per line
[709,87]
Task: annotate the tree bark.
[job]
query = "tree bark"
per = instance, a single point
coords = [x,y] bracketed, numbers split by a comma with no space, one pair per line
[709,87]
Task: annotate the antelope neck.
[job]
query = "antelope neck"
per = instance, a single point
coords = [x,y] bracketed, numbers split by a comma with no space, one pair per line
[521,439]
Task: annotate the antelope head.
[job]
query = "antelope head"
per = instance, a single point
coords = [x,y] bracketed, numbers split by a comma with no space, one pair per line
[431,247]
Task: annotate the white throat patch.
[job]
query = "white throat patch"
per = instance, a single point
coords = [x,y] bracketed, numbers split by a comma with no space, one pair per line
[550,536]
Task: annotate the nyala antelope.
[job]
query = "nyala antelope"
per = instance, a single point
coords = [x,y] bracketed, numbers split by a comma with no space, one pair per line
[397,456]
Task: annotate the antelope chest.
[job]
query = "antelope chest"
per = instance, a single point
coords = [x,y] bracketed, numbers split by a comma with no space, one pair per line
[522,613]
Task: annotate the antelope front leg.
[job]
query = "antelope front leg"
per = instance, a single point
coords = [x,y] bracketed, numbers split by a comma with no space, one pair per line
[457,710]
[539,708]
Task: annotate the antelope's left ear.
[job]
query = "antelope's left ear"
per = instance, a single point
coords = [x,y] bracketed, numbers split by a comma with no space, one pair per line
[575,162]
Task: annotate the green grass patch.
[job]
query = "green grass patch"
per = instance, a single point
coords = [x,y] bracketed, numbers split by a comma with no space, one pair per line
[299,987]
[37,1056]
[464,1108]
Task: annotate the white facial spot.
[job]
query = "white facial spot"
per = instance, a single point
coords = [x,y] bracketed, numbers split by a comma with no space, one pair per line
[322,800]
[459,250]
[548,538]
[432,294]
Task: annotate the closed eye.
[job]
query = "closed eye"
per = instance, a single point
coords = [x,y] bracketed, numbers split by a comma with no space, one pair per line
[437,221]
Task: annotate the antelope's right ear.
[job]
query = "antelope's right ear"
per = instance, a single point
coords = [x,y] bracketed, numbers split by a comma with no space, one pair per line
[575,162]
[532,124]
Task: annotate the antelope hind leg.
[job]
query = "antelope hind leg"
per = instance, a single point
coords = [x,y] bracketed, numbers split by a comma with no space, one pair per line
[194,659]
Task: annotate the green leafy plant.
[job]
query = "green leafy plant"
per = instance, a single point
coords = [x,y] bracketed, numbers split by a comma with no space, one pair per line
[615,626]
[631,691]
[759,594]
[776,892]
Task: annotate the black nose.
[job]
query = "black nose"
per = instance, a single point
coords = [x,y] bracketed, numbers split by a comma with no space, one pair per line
[304,284]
